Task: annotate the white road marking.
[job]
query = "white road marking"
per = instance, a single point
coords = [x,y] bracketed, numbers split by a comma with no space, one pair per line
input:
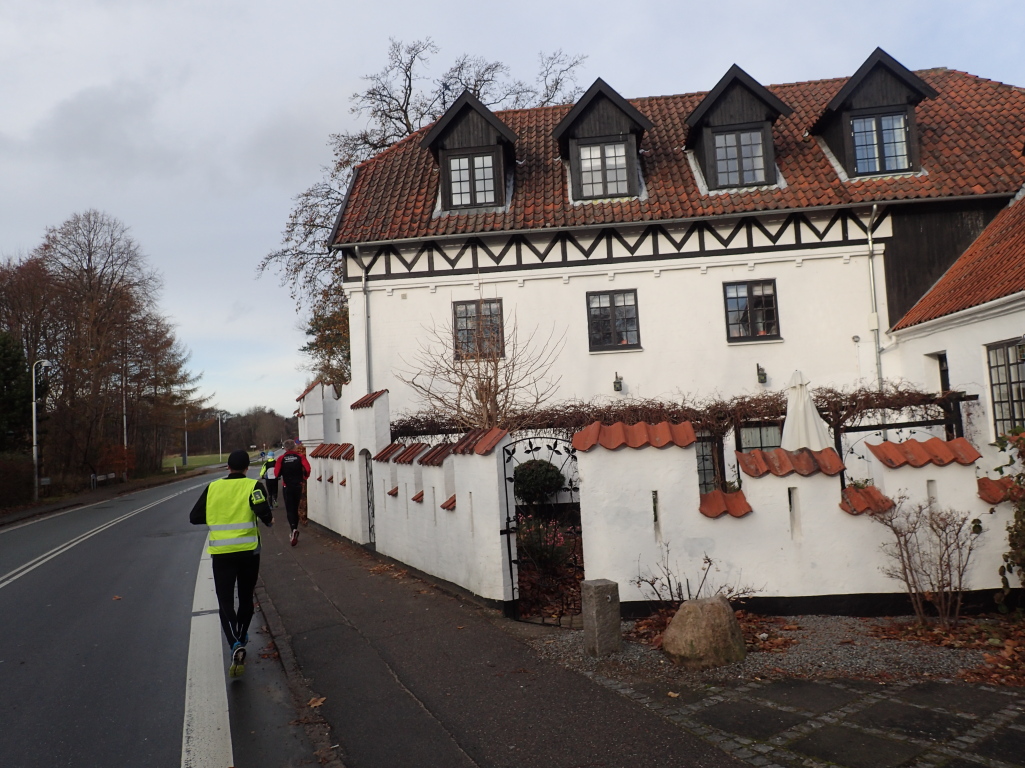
[206,731]
[31,565]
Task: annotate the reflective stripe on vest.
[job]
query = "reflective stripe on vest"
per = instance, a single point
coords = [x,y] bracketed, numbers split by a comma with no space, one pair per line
[231,520]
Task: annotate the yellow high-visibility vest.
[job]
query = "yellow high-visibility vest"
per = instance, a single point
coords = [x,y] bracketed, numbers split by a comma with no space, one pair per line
[231,520]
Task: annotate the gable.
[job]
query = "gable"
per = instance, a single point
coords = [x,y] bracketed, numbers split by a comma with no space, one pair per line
[600,117]
[881,88]
[467,129]
[738,105]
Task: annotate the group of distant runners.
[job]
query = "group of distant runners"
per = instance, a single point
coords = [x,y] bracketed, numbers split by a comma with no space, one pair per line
[230,508]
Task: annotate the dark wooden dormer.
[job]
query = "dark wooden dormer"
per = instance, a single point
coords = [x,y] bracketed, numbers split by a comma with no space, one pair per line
[473,149]
[600,137]
[731,132]
[870,124]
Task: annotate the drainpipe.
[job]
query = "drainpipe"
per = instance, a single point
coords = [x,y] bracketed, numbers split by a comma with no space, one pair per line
[876,337]
[366,327]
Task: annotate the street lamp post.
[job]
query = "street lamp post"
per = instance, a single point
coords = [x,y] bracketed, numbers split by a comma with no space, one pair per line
[220,451]
[35,432]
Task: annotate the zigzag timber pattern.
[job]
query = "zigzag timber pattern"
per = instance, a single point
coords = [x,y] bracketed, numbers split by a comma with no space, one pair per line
[474,254]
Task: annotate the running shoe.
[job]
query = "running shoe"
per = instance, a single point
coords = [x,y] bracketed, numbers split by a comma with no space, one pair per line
[238,660]
[294,538]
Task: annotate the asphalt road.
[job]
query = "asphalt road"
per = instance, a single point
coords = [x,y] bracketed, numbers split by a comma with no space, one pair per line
[110,649]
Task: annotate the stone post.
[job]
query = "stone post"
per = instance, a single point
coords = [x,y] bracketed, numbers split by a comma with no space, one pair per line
[600,606]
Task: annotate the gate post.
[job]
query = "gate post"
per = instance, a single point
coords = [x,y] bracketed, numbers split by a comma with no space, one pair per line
[600,605]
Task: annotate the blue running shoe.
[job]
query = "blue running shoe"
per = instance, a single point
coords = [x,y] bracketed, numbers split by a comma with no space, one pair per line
[238,660]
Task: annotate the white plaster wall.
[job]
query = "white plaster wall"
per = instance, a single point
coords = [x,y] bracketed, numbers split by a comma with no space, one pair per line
[823,297]
[810,548]
[311,419]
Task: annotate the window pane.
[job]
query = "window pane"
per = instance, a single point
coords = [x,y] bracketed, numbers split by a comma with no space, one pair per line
[615,169]
[590,171]
[484,179]
[753,157]
[895,146]
[751,310]
[459,180]
[866,153]
[727,164]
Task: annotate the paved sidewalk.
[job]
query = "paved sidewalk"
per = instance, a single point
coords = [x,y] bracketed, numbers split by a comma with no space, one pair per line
[415,677]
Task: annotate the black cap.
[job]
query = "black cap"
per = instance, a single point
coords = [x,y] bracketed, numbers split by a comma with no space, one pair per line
[239,461]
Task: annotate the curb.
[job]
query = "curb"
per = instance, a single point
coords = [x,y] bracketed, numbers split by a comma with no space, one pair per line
[317,728]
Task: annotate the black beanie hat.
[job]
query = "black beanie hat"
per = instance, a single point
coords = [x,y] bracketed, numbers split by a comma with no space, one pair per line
[238,460]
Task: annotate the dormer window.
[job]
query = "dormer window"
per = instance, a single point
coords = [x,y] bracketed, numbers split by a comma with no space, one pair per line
[473,149]
[604,169]
[869,125]
[731,132]
[880,143]
[471,180]
[599,138]
[739,158]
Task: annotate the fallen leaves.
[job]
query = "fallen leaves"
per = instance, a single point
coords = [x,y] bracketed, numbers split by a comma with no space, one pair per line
[116,597]
[672,694]
[316,702]
[1000,639]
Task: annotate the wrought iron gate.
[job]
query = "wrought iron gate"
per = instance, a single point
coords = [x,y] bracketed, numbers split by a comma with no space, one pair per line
[546,559]
[368,462]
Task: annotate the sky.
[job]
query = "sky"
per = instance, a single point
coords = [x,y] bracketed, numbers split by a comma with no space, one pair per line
[196,122]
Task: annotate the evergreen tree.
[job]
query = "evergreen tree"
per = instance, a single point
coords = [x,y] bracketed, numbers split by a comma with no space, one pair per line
[15,396]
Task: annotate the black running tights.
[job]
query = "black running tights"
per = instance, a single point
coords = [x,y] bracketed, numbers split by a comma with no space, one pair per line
[292,494]
[231,569]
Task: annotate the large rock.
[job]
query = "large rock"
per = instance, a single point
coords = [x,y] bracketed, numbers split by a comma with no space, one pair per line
[704,633]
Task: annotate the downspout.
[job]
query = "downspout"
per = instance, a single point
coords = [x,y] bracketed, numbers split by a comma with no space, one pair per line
[876,337]
[366,326]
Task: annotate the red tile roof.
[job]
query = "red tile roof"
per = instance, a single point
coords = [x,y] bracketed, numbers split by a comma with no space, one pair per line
[348,452]
[410,453]
[339,451]
[418,497]
[367,400]
[993,267]
[637,435]
[390,452]
[480,441]
[307,390]
[781,463]
[320,451]
[320,478]
[918,453]
[717,503]
[450,503]
[857,501]
[436,456]
[342,482]
[971,144]
[995,491]
[394,491]
[331,479]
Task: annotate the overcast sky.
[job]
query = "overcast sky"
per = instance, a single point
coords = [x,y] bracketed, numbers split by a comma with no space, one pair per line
[195,122]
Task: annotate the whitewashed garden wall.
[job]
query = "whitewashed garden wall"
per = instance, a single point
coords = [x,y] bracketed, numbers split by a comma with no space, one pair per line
[795,542]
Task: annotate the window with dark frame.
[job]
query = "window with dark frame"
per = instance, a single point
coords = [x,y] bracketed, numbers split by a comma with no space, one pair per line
[1007,384]
[612,320]
[472,180]
[604,169]
[710,455]
[751,311]
[477,329]
[740,158]
[880,143]
[759,435]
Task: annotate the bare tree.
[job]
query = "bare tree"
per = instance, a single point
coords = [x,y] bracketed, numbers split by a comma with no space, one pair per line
[398,101]
[483,381]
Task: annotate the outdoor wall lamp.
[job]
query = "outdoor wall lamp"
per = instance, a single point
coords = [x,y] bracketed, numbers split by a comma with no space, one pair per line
[763,377]
[617,383]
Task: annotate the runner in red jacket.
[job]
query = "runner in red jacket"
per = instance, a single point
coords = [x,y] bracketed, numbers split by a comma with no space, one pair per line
[292,469]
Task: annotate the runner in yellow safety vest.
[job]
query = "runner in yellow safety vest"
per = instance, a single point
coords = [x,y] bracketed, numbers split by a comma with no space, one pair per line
[230,507]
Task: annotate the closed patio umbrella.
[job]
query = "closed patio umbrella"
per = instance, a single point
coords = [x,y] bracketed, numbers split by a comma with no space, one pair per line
[803,427]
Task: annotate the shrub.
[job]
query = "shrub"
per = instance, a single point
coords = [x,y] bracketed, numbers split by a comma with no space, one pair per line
[536,481]
[930,554]
[541,542]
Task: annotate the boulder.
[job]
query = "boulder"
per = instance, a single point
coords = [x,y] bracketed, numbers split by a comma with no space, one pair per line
[703,634]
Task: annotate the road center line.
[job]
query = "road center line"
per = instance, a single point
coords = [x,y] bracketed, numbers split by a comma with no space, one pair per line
[31,565]
[206,730]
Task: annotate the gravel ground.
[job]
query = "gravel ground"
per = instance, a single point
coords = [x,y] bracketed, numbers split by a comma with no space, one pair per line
[827,647]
